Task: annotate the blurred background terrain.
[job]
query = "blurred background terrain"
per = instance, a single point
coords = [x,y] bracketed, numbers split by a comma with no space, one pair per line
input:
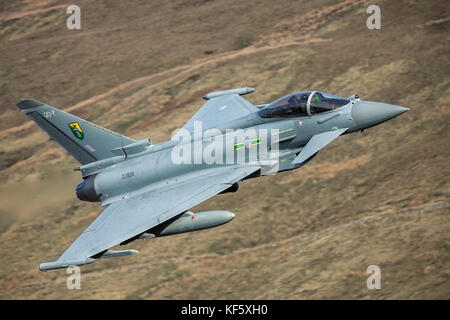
[380,197]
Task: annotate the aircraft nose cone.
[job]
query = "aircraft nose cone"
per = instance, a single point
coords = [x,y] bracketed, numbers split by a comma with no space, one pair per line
[367,113]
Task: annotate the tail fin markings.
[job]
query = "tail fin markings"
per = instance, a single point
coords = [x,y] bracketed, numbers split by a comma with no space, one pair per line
[85,141]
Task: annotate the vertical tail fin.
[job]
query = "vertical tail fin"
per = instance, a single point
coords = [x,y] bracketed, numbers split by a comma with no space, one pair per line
[85,141]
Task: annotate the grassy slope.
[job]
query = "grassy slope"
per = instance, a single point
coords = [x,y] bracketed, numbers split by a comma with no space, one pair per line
[127,71]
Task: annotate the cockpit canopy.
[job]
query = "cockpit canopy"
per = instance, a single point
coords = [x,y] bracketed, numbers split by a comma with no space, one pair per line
[301,104]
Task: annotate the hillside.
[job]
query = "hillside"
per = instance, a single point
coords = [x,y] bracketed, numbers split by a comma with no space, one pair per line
[140,68]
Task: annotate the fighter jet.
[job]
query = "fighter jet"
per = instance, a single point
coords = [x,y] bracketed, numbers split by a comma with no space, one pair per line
[148,189]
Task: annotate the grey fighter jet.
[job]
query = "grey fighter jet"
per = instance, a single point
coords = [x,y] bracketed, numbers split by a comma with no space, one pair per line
[148,189]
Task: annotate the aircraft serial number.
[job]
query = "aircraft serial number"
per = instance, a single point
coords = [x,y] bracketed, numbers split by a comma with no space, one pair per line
[127,175]
[49,114]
